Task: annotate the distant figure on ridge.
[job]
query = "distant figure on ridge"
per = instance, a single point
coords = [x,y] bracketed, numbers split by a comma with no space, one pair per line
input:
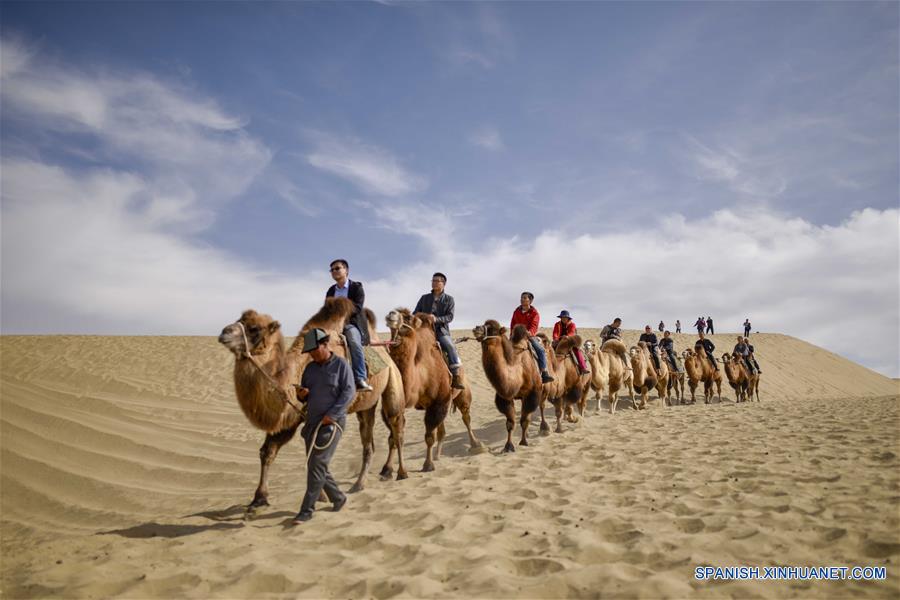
[441,305]
[700,324]
[709,326]
[747,327]
[662,326]
[677,325]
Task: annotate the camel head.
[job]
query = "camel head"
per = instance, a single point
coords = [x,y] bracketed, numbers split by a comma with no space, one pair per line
[397,320]
[687,353]
[726,358]
[590,347]
[492,328]
[251,333]
[478,332]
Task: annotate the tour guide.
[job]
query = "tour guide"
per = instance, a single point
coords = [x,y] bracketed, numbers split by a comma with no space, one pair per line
[327,387]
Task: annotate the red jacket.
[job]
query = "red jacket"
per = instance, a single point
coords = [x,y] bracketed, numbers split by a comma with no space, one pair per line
[570,329]
[531,320]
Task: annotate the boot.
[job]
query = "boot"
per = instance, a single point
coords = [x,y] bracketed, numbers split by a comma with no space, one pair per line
[546,377]
[456,381]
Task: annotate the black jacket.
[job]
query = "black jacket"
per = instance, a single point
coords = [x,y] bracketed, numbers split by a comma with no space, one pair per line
[357,295]
[667,344]
[442,309]
[650,339]
[707,345]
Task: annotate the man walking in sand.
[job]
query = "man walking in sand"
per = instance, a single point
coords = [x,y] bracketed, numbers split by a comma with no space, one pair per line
[441,305]
[528,316]
[327,388]
[747,327]
[677,325]
[357,329]
[709,326]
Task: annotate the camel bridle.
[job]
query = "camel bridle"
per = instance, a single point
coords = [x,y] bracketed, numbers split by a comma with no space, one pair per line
[287,397]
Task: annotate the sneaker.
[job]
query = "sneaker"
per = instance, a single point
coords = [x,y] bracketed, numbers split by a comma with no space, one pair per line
[337,506]
[363,386]
[301,518]
[547,377]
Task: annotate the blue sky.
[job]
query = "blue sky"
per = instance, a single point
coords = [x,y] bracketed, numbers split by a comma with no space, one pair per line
[166,165]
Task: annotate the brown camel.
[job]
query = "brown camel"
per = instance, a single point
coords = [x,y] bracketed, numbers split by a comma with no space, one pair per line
[569,387]
[643,371]
[744,381]
[663,374]
[676,382]
[699,368]
[265,376]
[426,380]
[608,372]
[512,372]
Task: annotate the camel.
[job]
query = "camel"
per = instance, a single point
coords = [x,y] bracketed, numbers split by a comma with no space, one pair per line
[676,381]
[663,375]
[426,380]
[699,368]
[740,377]
[608,372]
[512,372]
[644,373]
[265,376]
[569,387]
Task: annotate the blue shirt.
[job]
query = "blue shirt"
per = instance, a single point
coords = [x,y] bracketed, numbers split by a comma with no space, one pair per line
[341,292]
[331,390]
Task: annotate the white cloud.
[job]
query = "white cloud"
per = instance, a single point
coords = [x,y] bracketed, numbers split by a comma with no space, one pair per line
[754,177]
[487,138]
[78,257]
[372,169]
[179,141]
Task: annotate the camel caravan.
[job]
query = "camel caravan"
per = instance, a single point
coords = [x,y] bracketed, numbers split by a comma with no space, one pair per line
[418,369]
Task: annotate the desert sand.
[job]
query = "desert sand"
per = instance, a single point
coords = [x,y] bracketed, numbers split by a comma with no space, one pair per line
[126,462]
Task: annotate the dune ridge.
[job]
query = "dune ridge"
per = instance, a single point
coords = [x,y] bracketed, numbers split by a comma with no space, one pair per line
[124,462]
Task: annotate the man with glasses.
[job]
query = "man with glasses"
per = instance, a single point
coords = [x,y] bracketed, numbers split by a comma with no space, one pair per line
[356,330]
[441,305]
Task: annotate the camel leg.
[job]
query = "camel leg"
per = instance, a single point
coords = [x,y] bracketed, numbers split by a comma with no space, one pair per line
[613,398]
[508,408]
[396,424]
[434,419]
[267,453]
[718,390]
[439,445]
[557,404]
[529,405]
[545,428]
[367,437]
[463,402]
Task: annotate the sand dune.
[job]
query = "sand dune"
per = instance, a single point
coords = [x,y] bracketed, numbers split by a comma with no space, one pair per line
[125,462]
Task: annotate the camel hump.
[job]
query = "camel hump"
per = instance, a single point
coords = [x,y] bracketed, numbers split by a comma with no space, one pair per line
[613,346]
[519,333]
[568,343]
[370,317]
